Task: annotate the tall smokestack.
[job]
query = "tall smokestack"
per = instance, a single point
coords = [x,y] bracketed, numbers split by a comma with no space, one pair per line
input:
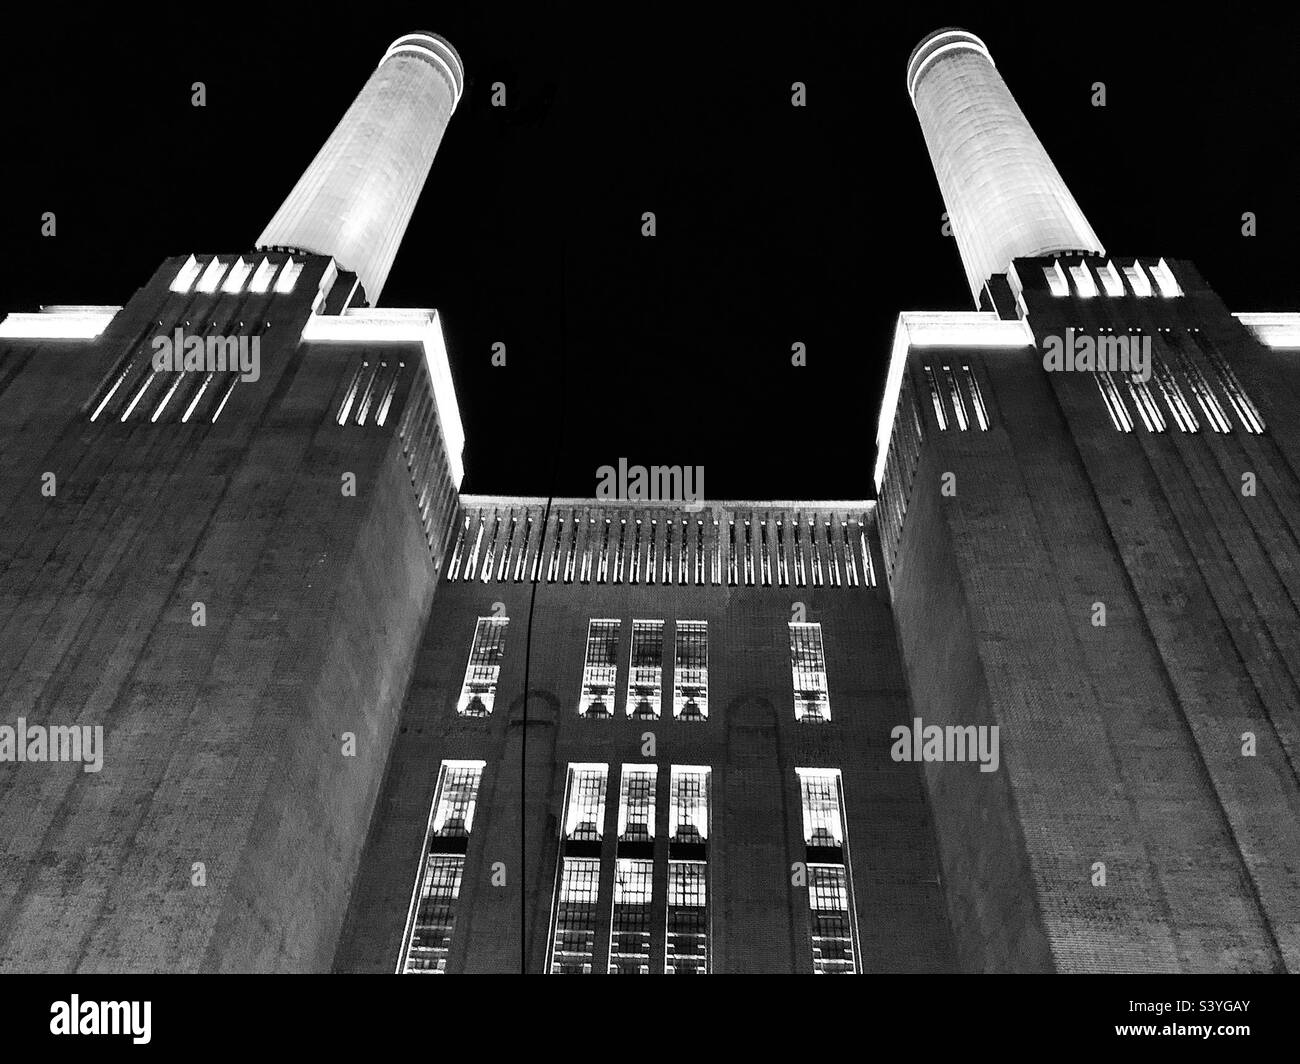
[355,199]
[1005,199]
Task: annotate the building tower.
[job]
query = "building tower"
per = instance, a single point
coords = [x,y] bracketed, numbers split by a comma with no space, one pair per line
[231,571]
[1095,553]
[354,201]
[1005,199]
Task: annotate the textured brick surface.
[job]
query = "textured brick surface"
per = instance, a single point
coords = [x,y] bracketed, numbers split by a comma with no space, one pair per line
[751,740]
[223,743]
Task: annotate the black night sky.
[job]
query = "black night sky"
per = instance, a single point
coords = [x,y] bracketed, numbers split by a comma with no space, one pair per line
[775,224]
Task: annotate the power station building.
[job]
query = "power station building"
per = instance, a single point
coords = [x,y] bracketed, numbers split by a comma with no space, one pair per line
[1032,708]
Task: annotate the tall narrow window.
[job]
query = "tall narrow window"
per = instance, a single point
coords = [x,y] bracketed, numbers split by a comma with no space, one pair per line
[1246,410]
[782,566]
[699,553]
[936,398]
[479,691]
[645,678]
[830,893]
[683,560]
[686,947]
[427,941]
[629,940]
[958,403]
[691,671]
[976,398]
[618,556]
[650,555]
[573,941]
[636,552]
[1119,414]
[600,671]
[808,670]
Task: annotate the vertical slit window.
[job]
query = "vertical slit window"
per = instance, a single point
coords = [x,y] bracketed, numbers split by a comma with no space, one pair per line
[782,566]
[976,398]
[868,570]
[1174,398]
[479,691]
[1119,414]
[427,942]
[731,554]
[699,553]
[646,670]
[571,560]
[636,552]
[503,566]
[764,556]
[668,550]
[1205,396]
[936,398]
[1246,410]
[808,671]
[600,670]
[618,555]
[749,555]
[691,671]
[958,404]
[650,557]
[454,568]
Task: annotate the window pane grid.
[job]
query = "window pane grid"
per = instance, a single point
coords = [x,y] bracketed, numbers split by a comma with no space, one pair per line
[808,670]
[646,672]
[691,671]
[600,672]
[478,692]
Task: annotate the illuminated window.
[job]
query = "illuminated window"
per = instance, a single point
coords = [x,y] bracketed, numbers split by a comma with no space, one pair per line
[935,397]
[1165,280]
[588,547]
[288,277]
[602,567]
[1177,403]
[1083,282]
[1056,281]
[235,279]
[977,398]
[262,277]
[1137,279]
[782,566]
[699,553]
[688,812]
[618,555]
[432,919]
[1111,281]
[636,803]
[731,554]
[1250,416]
[553,566]
[524,548]
[650,556]
[668,551]
[800,577]
[868,570]
[646,670]
[574,948]
[479,691]
[571,558]
[600,671]
[573,941]
[830,895]
[683,558]
[686,949]
[808,669]
[1145,402]
[503,563]
[471,565]
[629,938]
[490,553]
[1119,414]
[185,275]
[584,819]
[211,276]
[691,671]
[1205,397]
[636,553]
